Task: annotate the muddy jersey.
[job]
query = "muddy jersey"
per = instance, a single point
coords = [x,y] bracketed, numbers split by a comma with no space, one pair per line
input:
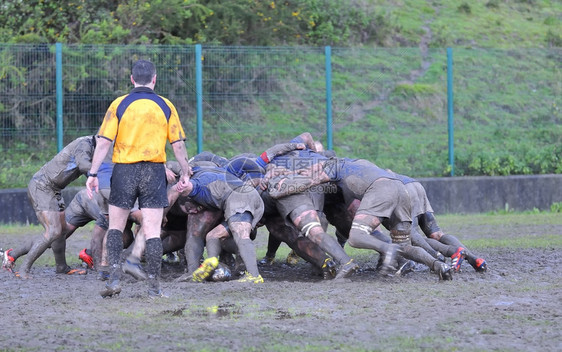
[140,123]
[246,167]
[218,189]
[212,186]
[68,165]
[208,156]
[354,176]
[298,159]
[405,179]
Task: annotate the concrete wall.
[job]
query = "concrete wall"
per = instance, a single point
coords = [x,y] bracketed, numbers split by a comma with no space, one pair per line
[458,195]
[455,195]
[16,208]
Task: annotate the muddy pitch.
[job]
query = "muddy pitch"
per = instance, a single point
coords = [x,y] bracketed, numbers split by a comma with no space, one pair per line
[515,306]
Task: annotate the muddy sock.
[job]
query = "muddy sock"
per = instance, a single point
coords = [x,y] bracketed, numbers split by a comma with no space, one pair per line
[194,247]
[333,248]
[454,242]
[248,254]
[401,260]
[342,240]
[59,248]
[133,259]
[361,239]
[213,247]
[381,236]
[442,248]
[451,240]
[309,251]
[39,246]
[471,258]
[418,240]
[417,254]
[153,256]
[114,246]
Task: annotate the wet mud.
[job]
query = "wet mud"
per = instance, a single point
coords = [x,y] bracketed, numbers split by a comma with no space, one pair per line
[515,306]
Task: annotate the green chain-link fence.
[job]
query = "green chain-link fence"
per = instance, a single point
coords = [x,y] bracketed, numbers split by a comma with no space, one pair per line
[389,104]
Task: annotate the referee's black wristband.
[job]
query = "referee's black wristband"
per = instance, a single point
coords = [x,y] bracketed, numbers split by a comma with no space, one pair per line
[91,175]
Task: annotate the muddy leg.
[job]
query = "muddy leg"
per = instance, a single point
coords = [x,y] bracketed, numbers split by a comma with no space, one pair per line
[59,251]
[241,234]
[53,224]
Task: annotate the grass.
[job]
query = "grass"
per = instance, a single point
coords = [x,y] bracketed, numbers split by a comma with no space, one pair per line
[386,108]
[541,241]
[493,230]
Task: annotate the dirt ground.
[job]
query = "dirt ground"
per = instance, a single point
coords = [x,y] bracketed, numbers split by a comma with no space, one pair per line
[515,306]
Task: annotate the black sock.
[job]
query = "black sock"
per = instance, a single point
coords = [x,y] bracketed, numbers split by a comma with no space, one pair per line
[153,256]
[114,245]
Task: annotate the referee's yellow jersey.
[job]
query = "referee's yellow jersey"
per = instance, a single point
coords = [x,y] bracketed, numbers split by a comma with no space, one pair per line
[140,123]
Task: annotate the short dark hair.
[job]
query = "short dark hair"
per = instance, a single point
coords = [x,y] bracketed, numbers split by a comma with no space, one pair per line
[143,71]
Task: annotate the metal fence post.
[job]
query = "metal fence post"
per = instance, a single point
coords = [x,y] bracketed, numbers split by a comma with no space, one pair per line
[328,52]
[450,108]
[59,94]
[199,92]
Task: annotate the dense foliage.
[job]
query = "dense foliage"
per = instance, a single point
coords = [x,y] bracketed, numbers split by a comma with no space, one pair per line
[491,23]
[389,76]
[238,22]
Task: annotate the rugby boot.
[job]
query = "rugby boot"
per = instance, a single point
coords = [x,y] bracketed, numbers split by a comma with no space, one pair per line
[71,271]
[86,258]
[405,268]
[154,290]
[103,275]
[458,258]
[480,265]
[444,271]
[346,270]
[292,258]
[267,260]
[112,288]
[170,258]
[134,268]
[157,294]
[205,269]
[249,278]
[7,260]
[329,269]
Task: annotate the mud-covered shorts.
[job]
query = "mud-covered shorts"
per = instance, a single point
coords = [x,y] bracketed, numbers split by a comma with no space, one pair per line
[82,209]
[244,199]
[144,181]
[387,199]
[418,199]
[44,197]
[300,201]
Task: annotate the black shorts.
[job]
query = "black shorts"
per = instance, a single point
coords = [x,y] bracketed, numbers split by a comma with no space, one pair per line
[145,181]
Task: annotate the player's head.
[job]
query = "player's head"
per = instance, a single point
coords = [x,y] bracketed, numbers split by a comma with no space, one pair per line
[143,72]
